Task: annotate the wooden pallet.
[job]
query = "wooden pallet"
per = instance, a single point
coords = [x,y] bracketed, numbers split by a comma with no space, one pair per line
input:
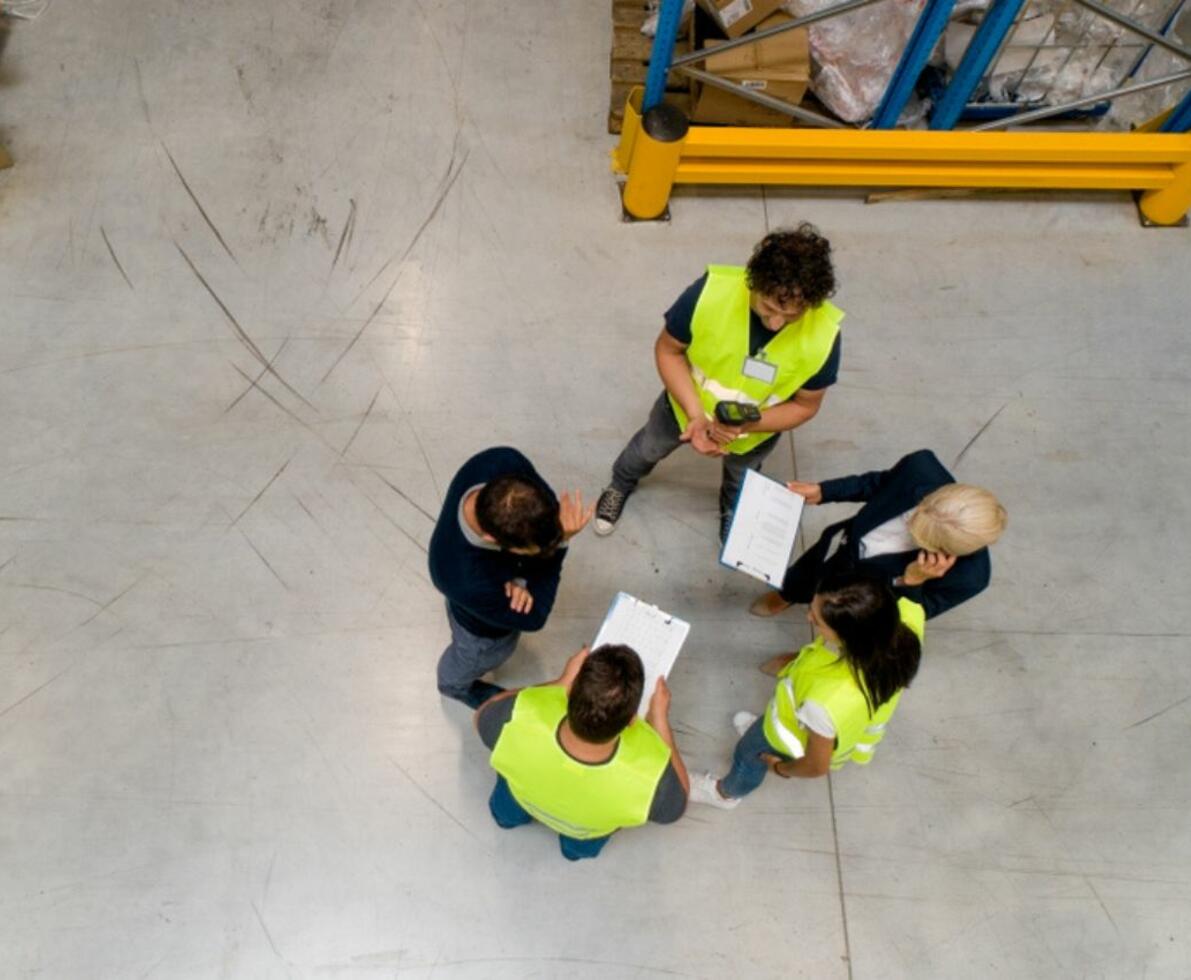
[630,60]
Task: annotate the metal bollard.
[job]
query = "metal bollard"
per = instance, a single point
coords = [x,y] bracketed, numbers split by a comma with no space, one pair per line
[656,152]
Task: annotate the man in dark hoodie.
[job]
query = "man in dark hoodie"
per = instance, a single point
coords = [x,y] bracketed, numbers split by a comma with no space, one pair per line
[497,554]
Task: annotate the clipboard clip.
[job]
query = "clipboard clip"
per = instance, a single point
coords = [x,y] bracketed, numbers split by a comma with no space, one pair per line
[764,575]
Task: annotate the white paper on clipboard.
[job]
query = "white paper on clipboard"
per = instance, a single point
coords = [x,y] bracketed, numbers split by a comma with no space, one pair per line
[763,529]
[655,635]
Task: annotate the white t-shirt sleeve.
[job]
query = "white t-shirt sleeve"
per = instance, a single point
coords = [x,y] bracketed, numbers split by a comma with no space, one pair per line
[814,717]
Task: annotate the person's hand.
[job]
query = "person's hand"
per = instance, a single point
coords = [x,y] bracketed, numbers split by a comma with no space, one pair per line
[571,670]
[773,761]
[571,514]
[659,705]
[812,493]
[722,434]
[698,435]
[928,565]
[520,601]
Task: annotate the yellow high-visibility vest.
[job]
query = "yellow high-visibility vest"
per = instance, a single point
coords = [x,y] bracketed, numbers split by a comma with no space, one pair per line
[823,676]
[720,344]
[576,799]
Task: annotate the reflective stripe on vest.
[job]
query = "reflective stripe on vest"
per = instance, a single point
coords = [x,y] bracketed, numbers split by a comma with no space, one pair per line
[789,741]
[823,676]
[720,344]
[571,797]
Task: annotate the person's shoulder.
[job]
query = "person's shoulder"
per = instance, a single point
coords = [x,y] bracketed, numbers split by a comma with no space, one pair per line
[975,569]
[491,718]
[923,465]
[496,461]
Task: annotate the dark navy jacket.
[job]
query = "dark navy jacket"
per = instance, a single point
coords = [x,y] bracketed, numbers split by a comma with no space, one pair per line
[473,579]
[886,494]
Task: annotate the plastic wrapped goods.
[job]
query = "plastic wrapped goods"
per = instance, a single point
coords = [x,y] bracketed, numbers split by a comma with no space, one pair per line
[1060,52]
[853,55]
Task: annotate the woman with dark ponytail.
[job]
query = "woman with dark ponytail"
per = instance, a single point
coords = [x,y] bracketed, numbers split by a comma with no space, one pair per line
[834,697]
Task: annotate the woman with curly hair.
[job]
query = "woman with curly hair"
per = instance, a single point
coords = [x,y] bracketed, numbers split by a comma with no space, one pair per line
[834,697]
[765,335]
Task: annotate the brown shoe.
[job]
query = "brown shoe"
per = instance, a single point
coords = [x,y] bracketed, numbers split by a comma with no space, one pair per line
[773,666]
[769,604]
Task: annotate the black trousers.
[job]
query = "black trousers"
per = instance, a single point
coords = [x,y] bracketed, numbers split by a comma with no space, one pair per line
[813,565]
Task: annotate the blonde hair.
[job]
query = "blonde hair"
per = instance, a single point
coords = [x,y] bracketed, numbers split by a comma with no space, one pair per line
[957,519]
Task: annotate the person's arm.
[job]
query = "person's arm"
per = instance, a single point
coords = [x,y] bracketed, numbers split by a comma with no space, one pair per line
[960,580]
[675,372]
[541,583]
[918,467]
[658,718]
[816,762]
[803,407]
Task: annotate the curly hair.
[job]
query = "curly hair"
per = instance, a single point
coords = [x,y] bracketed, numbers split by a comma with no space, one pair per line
[793,266]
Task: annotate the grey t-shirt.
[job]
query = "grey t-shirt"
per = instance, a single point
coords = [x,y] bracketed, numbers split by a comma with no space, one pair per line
[669,798]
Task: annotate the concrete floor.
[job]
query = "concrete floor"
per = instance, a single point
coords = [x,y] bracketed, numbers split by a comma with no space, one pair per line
[272,271]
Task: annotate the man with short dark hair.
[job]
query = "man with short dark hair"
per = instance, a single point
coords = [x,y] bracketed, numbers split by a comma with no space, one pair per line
[766,336]
[496,555]
[573,755]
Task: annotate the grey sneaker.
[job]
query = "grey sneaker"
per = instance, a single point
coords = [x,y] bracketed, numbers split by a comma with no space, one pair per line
[742,721]
[608,510]
[704,790]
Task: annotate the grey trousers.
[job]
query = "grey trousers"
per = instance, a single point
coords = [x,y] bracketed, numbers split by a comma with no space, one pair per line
[659,437]
[468,657]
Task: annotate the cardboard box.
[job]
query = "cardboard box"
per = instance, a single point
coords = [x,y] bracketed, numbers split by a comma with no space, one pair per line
[778,66]
[734,17]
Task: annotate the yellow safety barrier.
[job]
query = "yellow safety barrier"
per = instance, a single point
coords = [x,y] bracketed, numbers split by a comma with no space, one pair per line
[1157,164]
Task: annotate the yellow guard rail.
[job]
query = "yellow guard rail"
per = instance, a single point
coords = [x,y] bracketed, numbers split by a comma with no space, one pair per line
[1156,164]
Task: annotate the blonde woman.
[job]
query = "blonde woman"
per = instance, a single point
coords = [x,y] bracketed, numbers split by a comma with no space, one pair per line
[919,530]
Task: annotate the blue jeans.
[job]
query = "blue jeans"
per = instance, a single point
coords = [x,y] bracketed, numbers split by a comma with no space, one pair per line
[467,658]
[508,813]
[748,769]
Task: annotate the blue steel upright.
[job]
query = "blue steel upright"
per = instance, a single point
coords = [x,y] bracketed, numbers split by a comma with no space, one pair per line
[1179,121]
[931,24]
[981,50]
[669,17]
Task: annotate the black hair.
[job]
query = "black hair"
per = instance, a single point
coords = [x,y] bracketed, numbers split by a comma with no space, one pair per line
[519,513]
[606,693]
[793,266]
[882,651]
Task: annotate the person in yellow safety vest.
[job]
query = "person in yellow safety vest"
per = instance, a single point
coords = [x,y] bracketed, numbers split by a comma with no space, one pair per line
[834,697]
[764,335]
[573,754]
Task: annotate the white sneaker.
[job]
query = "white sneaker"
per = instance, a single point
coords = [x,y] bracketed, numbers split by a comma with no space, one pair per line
[704,790]
[742,721]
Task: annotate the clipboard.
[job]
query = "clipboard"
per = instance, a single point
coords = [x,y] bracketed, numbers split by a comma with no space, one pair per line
[656,636]
[764,526]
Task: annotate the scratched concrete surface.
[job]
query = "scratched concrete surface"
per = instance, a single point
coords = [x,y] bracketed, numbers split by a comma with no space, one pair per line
[271,271]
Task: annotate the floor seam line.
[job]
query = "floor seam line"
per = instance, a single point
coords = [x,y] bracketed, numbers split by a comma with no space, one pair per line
[839,876]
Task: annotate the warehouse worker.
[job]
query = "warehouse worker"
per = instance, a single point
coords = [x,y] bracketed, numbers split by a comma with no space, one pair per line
[496,555]
[764,337]
[574,755]
[927,535]
[834,697]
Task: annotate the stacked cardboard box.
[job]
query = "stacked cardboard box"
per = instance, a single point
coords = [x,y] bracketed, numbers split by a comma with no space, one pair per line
[778,66]
[734,17]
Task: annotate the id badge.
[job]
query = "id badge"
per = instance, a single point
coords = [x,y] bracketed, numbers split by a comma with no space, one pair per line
[759,370]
